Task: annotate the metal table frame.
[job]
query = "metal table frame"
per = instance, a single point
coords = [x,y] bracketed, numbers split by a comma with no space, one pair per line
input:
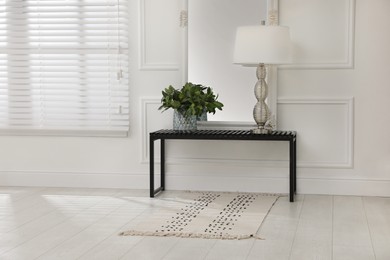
[247,135]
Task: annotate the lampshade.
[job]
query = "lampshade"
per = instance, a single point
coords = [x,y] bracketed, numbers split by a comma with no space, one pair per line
[262,44]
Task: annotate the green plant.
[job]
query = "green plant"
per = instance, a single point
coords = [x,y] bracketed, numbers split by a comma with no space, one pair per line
[190,100]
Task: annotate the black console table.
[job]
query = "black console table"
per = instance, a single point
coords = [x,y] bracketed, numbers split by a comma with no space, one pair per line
[289,136]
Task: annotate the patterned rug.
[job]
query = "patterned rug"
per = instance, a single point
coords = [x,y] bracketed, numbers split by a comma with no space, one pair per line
[213,215]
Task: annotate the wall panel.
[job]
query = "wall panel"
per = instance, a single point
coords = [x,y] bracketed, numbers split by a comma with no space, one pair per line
[160,34]
[322,31]
[325,130]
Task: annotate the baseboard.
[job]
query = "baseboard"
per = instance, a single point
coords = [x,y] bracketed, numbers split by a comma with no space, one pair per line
[75,180]
[281,185]
[175,181]
[356,187]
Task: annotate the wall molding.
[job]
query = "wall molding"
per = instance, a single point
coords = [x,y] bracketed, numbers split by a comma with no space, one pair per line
[143,64]
[144,103]
[349,103]
[348,63]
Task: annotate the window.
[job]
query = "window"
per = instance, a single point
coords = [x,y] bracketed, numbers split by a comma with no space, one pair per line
[64,67]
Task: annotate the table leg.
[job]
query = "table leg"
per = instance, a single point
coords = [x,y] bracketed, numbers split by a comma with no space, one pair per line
[162,169]
[151,166]
[292,170]
[295,164]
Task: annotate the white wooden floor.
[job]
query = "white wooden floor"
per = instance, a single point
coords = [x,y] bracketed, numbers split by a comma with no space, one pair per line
[64,223]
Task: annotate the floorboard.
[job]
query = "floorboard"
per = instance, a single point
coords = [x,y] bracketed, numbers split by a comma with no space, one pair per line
[351,235]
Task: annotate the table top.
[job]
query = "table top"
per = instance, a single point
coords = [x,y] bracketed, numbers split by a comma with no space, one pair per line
[222,134]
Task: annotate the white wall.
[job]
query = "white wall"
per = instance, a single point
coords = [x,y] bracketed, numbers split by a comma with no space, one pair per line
[337,102]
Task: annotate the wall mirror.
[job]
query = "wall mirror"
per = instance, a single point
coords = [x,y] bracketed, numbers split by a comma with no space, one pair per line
[211,34]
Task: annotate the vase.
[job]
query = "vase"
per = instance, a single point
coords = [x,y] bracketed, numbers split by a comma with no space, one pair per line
[184,122]
[202,117]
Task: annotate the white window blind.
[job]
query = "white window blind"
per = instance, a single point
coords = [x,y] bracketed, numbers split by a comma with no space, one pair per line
[64,67]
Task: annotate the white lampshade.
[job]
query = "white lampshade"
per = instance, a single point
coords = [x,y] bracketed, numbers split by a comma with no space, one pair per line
[262,44]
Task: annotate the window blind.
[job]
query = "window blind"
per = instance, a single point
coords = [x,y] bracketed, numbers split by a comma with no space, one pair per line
[64,66]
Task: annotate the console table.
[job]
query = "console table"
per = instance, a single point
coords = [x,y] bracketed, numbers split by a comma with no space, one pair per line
[245,135]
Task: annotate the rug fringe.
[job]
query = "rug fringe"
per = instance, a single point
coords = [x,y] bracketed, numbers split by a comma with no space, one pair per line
[238,192]
[188,235]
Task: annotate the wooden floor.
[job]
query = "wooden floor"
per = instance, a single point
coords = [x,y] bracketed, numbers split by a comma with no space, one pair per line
[63,223]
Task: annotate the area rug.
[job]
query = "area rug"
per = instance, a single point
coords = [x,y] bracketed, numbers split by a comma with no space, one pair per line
[212,215]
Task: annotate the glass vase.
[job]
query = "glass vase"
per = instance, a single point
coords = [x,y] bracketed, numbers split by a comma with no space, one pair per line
[184,122]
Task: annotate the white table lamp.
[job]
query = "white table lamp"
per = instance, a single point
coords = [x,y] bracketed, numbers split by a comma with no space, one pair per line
[260,46]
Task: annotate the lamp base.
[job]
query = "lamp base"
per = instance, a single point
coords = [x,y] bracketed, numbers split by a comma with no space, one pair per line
[261,112]
[261,131]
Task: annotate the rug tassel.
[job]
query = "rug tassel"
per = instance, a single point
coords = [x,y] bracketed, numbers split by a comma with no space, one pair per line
[188,235]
